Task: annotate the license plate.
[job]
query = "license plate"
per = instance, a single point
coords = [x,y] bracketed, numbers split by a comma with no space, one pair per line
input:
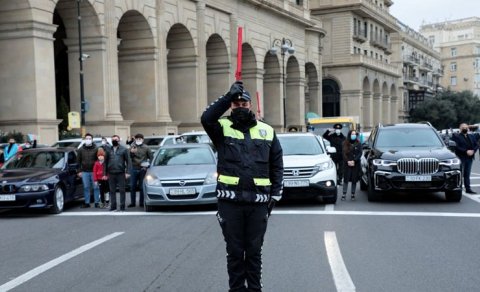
[180,191]
[7,197]
[418,178]
[296,183]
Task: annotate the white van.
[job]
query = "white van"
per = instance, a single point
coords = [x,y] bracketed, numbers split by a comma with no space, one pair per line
[78,142]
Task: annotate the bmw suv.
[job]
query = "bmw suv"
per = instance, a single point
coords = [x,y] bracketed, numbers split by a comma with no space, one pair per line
[403,157]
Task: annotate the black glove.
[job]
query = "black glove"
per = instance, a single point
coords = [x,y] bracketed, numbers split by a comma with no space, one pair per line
[271,205]
[235,90]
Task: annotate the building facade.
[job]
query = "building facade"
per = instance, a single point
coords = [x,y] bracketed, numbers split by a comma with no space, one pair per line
[458,42]
[359,78]
[421,67]
[152,66]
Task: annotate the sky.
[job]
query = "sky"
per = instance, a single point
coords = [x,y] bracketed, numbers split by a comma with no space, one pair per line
[414,13]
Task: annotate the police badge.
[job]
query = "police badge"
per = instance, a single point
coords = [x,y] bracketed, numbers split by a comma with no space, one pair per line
[263,133]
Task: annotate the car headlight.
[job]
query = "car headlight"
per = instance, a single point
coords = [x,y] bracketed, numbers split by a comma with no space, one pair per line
[211,178]
[450,162]
[383,162]
[33,188]
[324,166]
[153,180]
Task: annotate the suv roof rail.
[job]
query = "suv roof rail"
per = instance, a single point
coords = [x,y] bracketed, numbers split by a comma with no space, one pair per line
[425,122]
[380,125]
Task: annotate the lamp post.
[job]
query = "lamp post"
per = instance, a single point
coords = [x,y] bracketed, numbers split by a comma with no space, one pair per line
[81,57]
[286,47]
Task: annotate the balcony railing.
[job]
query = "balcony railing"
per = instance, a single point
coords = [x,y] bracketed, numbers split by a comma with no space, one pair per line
[438,72]
[374,63]
[359,35]
[411,59]
[410,78]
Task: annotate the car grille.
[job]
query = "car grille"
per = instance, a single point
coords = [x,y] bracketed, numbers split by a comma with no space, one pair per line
[298,172]
[7,189]
[182,183]
[417,166]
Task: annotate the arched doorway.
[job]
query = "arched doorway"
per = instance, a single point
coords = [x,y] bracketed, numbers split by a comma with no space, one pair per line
[182,77]
[272,91]
[218,67]
[331,98]
[136,67]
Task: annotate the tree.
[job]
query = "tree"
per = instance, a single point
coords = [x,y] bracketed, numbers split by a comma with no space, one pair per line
[448,110]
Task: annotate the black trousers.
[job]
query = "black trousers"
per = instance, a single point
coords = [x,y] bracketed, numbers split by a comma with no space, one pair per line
[339,165]
[117,180]
[243,227]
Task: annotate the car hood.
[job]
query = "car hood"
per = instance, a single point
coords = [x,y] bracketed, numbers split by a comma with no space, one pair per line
[304,160]
[414,152]
[27,174]
[182,171]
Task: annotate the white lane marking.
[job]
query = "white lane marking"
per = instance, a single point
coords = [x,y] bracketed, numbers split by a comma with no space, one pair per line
[287,212]
[329,207]
[475,198]
[475,177]
[475,185]
[55,262]
[341,277]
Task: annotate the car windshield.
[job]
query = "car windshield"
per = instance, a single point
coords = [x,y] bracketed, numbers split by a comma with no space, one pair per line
[300,145]
[36,159]
[192,138]
[67,144]
[153,141]
[407,137]
[184,156]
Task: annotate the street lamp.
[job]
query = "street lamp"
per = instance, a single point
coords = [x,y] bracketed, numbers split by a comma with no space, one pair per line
[81,58]
[286,47]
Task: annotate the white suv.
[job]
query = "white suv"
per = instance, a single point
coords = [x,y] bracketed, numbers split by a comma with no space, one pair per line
[308,169]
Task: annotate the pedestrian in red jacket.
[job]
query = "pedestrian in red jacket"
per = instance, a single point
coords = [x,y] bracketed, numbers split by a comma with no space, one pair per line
[100,179]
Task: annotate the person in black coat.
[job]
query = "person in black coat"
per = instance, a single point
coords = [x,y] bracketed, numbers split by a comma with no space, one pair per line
[352,153]
[465,150]
[336,138]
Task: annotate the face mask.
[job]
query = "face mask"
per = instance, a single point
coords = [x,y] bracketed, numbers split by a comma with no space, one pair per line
[139,142]
[11,143]
[242,115]
[353,137]
[88,142]
[464,131]
[337,131]
[101,158]
[114,142]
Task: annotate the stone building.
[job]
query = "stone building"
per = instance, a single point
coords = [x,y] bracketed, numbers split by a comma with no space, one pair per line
[421,67]
[359,78]
[154,65]
[458,42]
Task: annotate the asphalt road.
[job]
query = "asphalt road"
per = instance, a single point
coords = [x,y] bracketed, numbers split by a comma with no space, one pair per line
[409,242]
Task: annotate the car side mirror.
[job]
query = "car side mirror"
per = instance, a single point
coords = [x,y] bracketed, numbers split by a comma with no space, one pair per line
[452,144]
[331,150]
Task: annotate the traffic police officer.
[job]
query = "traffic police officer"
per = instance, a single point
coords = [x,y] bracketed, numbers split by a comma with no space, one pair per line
[250,180]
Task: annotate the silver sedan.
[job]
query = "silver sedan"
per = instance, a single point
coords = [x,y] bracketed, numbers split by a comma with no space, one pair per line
[181,174]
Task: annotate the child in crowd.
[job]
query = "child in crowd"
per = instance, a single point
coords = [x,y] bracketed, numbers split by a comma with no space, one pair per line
[100,179]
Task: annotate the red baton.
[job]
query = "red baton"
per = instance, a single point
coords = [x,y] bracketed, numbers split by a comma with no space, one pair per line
[238,72]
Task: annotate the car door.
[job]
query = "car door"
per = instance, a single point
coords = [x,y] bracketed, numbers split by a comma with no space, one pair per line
[74,182]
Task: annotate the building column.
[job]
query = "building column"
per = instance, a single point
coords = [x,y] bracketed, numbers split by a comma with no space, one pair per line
[295,103]
[386,119]
[273,111]
[377,108]
[351,103]
[27,86]
[394,109]
[314,96]
[202,59]
[367,121]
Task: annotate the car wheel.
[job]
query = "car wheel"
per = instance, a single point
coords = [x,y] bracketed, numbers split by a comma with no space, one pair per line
[58,200]
[147,207]
[373,195]
[453,196]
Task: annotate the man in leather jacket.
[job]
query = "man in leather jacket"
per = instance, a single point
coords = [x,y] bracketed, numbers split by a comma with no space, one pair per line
[250,180]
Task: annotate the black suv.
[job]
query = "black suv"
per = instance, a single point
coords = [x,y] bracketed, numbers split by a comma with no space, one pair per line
[410,157]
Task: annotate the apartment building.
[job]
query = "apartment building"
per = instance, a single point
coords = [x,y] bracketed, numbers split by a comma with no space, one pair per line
[359,78]
[421,66]
[458,43]
[152,66]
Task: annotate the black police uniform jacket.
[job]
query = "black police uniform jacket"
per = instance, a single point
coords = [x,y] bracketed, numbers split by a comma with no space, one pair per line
[250,161]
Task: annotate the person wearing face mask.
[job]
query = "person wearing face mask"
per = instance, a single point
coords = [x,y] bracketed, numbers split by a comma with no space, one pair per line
[352,153]
[11,149]
[336,139]
[250,181]
[139,154]
[465,150]
[86,157]
[99,179]
[116,167]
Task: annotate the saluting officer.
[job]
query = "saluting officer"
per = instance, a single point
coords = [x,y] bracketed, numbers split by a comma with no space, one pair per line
[250,180]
